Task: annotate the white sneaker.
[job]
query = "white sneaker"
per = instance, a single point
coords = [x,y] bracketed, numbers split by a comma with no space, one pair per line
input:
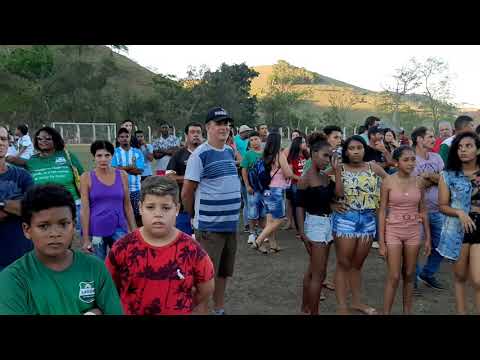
[375,245]
[251,239]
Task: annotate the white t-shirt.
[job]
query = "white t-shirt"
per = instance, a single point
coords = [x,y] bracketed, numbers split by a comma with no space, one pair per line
[12,151]
[26,142]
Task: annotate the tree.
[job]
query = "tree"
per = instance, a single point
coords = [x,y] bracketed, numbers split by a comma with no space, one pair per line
[437,87]
[404,80]
[118,48]
[282,94]
[341,104]
[229,87]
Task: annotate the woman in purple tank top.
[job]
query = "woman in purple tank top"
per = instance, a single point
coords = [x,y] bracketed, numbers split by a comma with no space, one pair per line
[107,213]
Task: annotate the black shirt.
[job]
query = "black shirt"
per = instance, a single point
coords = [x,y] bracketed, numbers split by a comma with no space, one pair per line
[373,155]
[316,200]
[178,163]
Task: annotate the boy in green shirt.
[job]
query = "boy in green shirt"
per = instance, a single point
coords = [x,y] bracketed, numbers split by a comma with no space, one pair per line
[256,210]
[53,279]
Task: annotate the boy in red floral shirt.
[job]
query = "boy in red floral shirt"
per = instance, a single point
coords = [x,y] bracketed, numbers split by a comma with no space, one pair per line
[157,269]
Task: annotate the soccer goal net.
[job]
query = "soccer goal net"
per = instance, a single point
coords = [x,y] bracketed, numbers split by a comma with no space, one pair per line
[85,133]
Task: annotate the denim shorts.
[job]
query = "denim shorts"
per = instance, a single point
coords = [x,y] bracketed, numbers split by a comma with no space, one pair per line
[355,223]
[100,244]
[274,200]
[318,228]
[256,208]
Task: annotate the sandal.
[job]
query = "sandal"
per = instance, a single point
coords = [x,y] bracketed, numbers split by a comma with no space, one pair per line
[368,310]
[275,249]
[259,248]
[329,286]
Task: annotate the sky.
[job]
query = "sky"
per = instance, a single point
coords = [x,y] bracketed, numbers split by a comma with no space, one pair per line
[366,66]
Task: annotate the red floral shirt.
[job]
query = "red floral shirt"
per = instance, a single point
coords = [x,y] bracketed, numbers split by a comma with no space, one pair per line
[158,280]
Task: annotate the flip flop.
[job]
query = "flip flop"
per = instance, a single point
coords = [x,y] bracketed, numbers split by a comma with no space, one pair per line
[259,248]
[368,311]
[329,286]
[275,249]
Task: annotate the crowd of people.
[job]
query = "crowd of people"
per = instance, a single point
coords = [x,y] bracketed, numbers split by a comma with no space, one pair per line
[164,241]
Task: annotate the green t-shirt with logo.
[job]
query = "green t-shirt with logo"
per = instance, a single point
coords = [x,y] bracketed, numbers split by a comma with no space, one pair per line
[250,158]
[55,169]
[27,287]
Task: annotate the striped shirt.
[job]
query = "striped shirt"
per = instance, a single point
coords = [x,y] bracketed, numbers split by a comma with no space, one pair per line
[127,158]
[217,198]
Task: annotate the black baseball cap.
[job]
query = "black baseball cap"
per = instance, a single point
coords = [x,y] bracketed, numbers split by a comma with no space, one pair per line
[217,114]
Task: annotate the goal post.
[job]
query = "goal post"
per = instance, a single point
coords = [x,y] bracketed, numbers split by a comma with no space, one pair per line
[86,133]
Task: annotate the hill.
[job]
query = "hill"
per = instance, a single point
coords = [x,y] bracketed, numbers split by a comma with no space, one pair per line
[323,87]
[129,77]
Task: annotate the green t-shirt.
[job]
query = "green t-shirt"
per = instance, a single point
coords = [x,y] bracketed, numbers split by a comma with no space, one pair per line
[250,158]
[444,150]
[27,287]
[55,169]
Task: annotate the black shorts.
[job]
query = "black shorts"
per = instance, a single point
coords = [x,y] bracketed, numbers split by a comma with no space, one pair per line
[474,237]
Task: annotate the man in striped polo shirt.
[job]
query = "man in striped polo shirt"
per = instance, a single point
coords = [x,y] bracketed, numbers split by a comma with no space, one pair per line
[211,192]
[132,161]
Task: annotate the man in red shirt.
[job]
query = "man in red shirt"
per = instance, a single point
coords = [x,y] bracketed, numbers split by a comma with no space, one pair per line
[157,269]
[445,130]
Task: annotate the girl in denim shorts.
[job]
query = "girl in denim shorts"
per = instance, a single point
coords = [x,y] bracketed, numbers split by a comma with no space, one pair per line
[274,197]
[459,200]
[355,228]
[315,193]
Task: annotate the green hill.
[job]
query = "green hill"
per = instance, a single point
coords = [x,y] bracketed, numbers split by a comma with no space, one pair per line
[130,75]
[323,87]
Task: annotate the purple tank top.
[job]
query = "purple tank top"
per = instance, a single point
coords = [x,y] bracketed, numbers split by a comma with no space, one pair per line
[107,211]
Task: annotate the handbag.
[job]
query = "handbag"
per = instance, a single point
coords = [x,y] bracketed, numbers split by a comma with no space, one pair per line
[76,174]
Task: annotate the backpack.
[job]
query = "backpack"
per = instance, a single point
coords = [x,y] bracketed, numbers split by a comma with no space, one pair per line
[258,176]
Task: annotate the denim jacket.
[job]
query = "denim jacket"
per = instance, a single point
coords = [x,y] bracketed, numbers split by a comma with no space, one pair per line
[451,238]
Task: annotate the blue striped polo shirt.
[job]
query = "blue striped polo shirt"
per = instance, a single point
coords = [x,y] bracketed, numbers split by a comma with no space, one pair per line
[217,198]
[127,158]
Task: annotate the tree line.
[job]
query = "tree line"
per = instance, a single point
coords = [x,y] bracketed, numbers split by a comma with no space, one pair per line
[76,83]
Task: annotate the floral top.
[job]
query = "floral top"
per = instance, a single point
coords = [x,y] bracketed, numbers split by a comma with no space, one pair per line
[361,189]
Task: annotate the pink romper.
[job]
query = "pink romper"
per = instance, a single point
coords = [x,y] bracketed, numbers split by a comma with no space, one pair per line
[403,219]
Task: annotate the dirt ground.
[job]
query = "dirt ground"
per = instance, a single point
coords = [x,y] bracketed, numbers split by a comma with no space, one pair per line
[272,284]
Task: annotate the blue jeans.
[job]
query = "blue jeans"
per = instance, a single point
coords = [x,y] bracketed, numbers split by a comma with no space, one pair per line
[183,223]
[101,243]
[245,204]
[433,261]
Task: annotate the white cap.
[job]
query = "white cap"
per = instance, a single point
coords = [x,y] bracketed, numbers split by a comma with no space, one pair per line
[244,128]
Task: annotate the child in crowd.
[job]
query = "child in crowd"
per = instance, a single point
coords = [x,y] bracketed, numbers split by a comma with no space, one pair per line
[256,210]
[53,279]
[402,210]
[159,270]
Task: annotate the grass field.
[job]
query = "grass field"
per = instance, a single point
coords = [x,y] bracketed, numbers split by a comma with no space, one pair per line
[83,154]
